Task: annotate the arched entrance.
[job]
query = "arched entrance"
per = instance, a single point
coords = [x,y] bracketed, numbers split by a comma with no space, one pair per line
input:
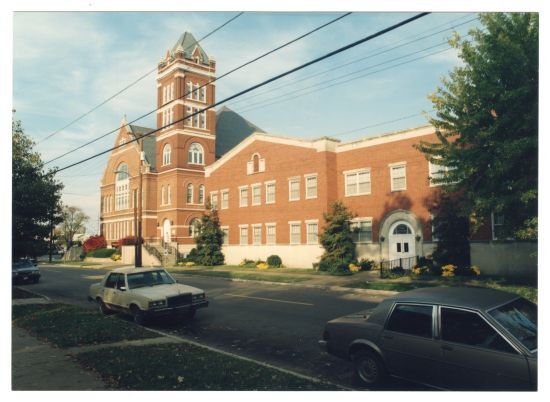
[401,242]
[166,231]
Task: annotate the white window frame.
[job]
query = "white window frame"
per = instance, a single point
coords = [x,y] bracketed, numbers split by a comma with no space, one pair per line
[494,224]
[349,174]
[291,180]
[434,237]
[224,202]
[293,224]
[357,222]
[166,155]
[269,184]
[241,238]
[225,230]
[188,89]
[214,205]
[243,201]
[393,167]
[189,194]
[309,235]
[201,194]
[268,240]
[195,154]
[255,240]
[256,200]
[308,177]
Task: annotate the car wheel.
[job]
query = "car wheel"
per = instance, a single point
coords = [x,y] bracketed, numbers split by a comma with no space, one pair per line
[369,369]
[103,309]
[137,314]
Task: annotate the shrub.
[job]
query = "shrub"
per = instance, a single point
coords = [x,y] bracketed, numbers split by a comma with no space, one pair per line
[189,264]
[247,263]
[102,253]
[315,266]
[448,270]
[420,271]
[262,265]
[116,257]
[129,241]
[274,261]
[94,243]
[475,269]
[354,268]
[366,264]
[334,266]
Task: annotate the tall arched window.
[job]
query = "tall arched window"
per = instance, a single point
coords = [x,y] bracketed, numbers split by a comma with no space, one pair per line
[121,187]
[194,227]
[169,195]
[201,194]
[189,193]
[166,155]
[196,154]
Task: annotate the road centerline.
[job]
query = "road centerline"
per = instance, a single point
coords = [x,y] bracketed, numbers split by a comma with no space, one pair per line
[266,299]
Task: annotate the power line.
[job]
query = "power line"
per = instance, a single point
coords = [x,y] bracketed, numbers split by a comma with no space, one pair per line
[261,84]
[204,85]
[132,84]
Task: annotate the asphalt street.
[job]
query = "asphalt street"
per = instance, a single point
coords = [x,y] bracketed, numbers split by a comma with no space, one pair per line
[273,323]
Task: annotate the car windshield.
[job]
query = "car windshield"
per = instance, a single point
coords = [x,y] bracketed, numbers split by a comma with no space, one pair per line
[23,264]
[149,278]
[520,319]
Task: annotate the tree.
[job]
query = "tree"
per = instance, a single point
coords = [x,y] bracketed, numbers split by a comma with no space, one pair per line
[337,239]
[73,222]
[209,239]
[36,196]
[487,122]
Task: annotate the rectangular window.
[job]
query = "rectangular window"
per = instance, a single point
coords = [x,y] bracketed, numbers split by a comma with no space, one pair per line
[243,235]
[188,90]
[312,232]
[202,94]
[195,91]
[202,120]
[361,230]
[225,199]
[195,117]
[398,177]
[271,233]
[295,234]
[412,320]
[225,231]
[270,193]
[357,183]
[257,234]
[311,186]
[498,223]
[243,197]
[256,194]
[188,112]
[214,200]
[294,189]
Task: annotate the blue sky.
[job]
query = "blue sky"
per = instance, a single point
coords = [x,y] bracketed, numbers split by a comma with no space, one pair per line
[65,63]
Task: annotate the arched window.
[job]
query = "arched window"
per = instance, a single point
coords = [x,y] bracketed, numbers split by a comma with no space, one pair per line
[169,195]
[196,154]
[201,194]
[121,187]
[162,196]
[194,227]
[401,229]
[189,193]
[166,155]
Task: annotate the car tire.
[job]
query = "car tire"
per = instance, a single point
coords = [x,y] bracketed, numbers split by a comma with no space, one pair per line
[369,368]
[137,314]
[103,309]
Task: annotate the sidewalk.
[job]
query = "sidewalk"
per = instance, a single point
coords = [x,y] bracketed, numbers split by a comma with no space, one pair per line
[37,366]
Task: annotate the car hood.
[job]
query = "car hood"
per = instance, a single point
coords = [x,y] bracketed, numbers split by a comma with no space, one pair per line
[162,291]
[24,269]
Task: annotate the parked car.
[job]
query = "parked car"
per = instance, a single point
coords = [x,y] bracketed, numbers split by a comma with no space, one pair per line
[450,338]
[145,293]
[24,270]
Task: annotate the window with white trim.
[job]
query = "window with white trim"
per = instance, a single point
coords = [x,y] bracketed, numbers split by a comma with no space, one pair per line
[256,194]
[195,91]
[163,95]
[196,154]
[312,232]
[194,227]
[361,230]
[243,235]
[172,91]
[162,195]
[225,199]
[398,175]
[189,193]
[122,187]
[295,233]
[357,182]
[166,155]
[201,194]
[169,191]
[438,172]
[256,234]
[497,223]
[214,200]
[311,186]
[202,94]
[270,233]
[188,89]
[243,197]
[270,193]
[294,189]
[225,231]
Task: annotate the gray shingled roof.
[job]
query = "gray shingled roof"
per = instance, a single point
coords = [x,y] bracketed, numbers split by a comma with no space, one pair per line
[231,129]
[188,42]
[149,144]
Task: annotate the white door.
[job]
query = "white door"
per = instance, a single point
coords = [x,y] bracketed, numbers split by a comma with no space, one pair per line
[402,243]
[166,231]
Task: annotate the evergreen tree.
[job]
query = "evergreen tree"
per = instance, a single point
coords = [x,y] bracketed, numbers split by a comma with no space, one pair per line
[337,239]
[487,122]
[36,197]
[209,240]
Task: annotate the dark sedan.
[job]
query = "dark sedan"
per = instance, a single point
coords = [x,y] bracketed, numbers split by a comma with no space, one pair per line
[449,338]
[24,271]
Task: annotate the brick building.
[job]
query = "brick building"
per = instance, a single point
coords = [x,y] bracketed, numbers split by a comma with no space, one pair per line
[271,192]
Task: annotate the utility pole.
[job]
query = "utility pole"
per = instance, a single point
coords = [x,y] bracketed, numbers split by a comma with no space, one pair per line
[140,205]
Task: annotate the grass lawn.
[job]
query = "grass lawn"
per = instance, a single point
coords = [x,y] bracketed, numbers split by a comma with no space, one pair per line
[66,326]
[256,276]
[187,367]
[18,293]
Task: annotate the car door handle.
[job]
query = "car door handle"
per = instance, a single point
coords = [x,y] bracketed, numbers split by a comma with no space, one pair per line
[446,347]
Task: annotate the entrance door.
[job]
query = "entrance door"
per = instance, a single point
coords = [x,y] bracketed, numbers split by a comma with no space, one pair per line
[166,231]
[402,243]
